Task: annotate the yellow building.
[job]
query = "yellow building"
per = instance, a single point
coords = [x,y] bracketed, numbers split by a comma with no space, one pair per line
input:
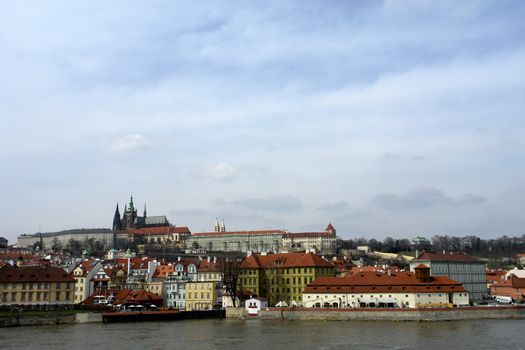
[83,274]
[282,277]
[200,295]
[36,285]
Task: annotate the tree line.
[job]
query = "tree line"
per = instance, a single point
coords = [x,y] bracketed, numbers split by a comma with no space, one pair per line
[471,244]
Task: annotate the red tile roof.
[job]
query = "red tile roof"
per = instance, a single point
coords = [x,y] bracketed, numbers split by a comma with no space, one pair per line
[17,255]
[372,282]
[127,296]
[160,230]
[307,234]
[260,232]
[10,274]
[210,266]
[329,227]
[456,257]
[285,260]
[162,270]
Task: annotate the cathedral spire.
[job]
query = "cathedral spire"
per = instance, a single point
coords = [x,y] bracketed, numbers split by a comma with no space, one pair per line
[145,209]
[131,207]
[117,222]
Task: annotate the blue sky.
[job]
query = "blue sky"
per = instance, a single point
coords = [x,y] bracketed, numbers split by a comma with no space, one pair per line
[397,118]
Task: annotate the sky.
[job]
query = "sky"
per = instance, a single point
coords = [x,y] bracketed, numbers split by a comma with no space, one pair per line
[386,118]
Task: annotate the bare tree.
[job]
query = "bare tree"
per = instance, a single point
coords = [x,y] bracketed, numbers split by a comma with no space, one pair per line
[231,270]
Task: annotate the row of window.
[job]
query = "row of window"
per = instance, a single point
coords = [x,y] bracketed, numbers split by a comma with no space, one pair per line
[31,296]
[196,295]
[35,285]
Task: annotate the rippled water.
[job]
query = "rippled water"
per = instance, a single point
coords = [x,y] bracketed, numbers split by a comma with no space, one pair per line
[270,335]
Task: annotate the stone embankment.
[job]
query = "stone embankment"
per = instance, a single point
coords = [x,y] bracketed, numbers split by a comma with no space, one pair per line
[48,319]
[420,314]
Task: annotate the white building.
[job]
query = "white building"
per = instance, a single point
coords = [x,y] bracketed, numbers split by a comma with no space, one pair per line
[320,242]
[395,290]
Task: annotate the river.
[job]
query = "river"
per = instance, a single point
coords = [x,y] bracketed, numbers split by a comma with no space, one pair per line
[270,335]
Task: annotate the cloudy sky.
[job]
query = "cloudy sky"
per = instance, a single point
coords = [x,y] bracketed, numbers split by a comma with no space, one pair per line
[397,118]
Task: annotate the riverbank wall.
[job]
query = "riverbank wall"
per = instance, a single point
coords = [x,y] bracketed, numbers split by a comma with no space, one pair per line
[420,314]
[49,319]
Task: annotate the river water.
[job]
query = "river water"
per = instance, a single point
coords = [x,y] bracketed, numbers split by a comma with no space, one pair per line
[271,335]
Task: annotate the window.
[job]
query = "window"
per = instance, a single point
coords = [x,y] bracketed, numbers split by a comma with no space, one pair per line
[57,296]
[13,296]
[58,285]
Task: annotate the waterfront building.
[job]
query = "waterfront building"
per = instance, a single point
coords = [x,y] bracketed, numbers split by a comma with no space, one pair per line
[463,268]
[36,285]
[83,274]
[394,290]
[318,242]
[281,277]
[254,305]
[513,287]
[185,270]
[201,295]
[126,298]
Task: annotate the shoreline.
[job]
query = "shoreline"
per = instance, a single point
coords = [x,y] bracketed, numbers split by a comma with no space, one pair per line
[416,314]
[419,314]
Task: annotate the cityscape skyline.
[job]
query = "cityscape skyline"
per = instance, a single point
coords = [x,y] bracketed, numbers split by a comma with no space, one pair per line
[384,118]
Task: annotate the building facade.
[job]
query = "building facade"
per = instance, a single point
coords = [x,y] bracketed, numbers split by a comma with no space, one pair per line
[26,286]
[469,271]
[281,277]
[513,287]
[238,241]
[319,242]
[374,289]
[84,274]
[200,295]
[46,240]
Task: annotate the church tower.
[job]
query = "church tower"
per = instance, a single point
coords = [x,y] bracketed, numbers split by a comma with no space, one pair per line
[117,221]
[130,214]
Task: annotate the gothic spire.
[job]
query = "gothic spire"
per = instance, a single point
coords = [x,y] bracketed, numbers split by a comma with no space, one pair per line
[131,207]
[117,222]
[144,209]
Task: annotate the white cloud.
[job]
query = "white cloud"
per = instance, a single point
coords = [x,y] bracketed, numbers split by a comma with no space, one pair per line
[128,143]
[220,171]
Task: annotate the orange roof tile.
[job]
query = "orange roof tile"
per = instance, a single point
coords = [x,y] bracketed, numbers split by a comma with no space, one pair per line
[285,260]
[261,232]
[160,230]
[372,282]
[10,274]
